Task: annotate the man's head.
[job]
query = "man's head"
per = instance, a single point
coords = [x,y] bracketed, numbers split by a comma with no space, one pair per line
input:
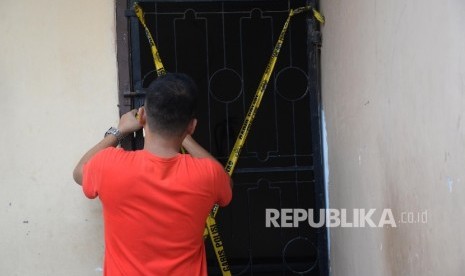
[170,105]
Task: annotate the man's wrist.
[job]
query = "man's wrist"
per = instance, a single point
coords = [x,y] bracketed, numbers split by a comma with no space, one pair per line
[186,142]
[116,133]
[123,132]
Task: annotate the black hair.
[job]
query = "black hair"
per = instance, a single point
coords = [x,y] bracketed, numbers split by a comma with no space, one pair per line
[170,103]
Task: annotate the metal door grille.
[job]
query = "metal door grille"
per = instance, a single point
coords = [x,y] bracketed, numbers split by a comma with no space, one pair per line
[225,47]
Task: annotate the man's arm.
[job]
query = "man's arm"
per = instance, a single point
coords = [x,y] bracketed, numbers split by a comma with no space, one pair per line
[127,124]
[196,150]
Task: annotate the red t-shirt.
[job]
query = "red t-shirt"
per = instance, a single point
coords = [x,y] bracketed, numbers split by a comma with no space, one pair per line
[155,209]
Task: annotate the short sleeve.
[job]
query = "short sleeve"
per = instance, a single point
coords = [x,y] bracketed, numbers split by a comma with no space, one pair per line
[222,185]
[92,174]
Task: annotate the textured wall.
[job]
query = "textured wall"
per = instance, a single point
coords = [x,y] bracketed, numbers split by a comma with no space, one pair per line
[394,99]
[58,87]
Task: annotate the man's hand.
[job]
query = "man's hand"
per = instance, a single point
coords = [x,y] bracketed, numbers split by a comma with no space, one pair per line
[129,123]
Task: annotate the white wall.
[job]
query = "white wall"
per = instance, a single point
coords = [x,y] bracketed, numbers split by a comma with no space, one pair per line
[58,87]
[394,98]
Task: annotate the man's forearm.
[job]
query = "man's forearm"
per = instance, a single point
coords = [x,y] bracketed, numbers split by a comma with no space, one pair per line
[128,124]
[195,149]
[108,141]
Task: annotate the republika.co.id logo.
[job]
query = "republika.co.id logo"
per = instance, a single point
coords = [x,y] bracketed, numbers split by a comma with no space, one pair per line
[287,218]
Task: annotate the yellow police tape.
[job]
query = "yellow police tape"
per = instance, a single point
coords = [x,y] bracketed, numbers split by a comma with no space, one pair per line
[156,56]
[233,157]
[217,243]
[318,16]
[211,226]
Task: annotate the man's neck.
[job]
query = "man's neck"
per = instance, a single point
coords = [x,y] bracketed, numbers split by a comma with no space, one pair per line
[162,146]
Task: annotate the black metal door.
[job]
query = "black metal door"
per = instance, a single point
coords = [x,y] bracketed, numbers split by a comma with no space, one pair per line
[225,46]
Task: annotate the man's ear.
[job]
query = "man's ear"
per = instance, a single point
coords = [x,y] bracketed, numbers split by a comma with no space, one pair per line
[142,116]
[191,126]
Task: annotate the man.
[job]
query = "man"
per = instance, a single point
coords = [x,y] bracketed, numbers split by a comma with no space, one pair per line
[156,200]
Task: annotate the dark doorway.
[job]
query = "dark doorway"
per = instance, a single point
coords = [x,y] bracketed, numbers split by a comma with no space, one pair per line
[225,46]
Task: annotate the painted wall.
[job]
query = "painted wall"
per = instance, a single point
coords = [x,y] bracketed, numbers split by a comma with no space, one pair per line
[58,87]
[394,99]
